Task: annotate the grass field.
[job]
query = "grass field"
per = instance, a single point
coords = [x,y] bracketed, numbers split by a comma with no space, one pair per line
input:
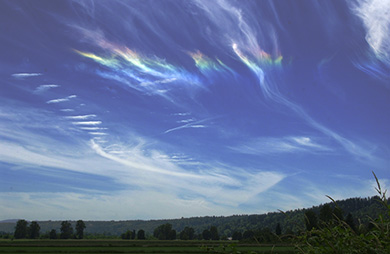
[120,246]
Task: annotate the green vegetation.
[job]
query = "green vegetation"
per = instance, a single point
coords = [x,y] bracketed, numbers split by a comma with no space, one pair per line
[132,246]
[322,229]
[80,226]
[291,222]
[335,235]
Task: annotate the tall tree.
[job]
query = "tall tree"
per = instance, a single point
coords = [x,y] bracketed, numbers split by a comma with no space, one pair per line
[165,232]
[237,235]
[33,230]
[214,233]
[127,235]
[21,229]
[53,234]
[326,214]
[311,220]
[248,234]
[350,221]
[187,233]
[172,235]
[141,234]
[338,213]
[80,226]
[206,234]
[66,230]
[278,229]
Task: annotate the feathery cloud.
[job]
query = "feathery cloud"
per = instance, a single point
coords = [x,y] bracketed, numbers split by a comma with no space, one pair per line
[25,75]
[61,99]
[43,88]
[87,123]
[81,117]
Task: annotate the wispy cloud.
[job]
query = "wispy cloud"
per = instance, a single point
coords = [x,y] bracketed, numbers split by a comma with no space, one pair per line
[134,69]
[186,120]
[43,88]
[61,99]
[227,187]
[98,133]
[93,128]
[67,110]
[163,81]
[182,114]
[88,123]
[269,145]
[25,75]
[245,44]
[190,124]
[375,16]
[81,117]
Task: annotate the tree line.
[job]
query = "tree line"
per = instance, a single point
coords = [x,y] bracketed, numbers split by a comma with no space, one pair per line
[25,231]
[237,227]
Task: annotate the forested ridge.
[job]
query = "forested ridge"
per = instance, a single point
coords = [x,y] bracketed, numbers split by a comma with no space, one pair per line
[361,210]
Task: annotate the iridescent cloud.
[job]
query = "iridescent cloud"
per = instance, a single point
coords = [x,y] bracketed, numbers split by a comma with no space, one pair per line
[258,62]
[141,72]
[207,65]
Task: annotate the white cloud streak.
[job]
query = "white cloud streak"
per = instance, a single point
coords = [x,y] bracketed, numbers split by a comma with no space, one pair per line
[244,42]
[270,145]
[375,16]
[98,133]
[44,88]
[61,99]
[190,125]
[81,117]
[25,75]
[92,128]
[88,123]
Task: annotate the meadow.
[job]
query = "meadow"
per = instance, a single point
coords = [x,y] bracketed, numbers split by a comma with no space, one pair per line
[134,246]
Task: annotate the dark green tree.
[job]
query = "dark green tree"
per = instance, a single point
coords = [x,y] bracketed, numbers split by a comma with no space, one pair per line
[350,221]
[265,235]
[53,234]
[326,214]
[21,229]
[172,235]
[278,229]
[338,213]
[127,235]
[165,232]
[214,233]
[311,220]
[33,230]
[187,233]
[206,234]
[80,226]
[248,234]
[66,230]
[141,234]
[237,236]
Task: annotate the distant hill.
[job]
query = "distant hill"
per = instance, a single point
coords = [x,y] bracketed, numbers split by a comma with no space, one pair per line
[360,208]
[9,221]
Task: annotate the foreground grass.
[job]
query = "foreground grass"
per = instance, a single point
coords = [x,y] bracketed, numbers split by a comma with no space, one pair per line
[120,246]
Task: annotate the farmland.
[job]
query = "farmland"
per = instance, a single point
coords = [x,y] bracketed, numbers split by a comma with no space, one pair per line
[121,246]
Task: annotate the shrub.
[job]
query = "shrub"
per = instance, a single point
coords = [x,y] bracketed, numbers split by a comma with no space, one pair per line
[338,236]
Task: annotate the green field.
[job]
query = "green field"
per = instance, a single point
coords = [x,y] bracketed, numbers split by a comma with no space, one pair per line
[122,246]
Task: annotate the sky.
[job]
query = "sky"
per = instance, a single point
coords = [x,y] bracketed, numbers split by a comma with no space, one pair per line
[120,110]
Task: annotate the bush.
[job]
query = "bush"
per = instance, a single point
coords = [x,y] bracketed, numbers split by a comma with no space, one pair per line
[338,236]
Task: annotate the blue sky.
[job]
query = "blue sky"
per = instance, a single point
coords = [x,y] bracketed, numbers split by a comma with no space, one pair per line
[113,110]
